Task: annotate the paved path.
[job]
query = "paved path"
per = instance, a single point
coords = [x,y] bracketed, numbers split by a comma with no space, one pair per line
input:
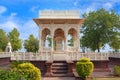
[101,74]
[58,78]
[94,74]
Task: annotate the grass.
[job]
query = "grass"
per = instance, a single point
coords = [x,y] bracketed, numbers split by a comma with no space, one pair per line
[106,78]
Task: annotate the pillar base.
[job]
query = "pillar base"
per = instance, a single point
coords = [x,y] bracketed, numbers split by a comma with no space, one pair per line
[70,67]
[48,71]
[48,74]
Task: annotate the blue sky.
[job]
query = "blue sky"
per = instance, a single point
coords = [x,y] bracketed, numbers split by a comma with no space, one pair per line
[20,13]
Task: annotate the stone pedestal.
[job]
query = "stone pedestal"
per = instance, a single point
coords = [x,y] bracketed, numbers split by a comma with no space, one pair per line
[48,70]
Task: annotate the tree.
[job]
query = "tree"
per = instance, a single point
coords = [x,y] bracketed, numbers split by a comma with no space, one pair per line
[15,40]
[49,40]
[3,40]
[83,44]
[101,27]
[31,44]
[70,41]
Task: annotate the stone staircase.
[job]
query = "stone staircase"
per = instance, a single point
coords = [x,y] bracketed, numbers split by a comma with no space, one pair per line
[59,68]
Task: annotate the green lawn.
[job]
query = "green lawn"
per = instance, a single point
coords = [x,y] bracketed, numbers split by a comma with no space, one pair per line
[106,78]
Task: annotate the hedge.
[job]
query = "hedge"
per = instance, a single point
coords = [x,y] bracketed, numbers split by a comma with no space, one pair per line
[116,70]
[84,67]
[28,71]
[20,71]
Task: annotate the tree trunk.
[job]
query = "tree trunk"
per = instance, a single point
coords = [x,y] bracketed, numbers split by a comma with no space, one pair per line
[98,48]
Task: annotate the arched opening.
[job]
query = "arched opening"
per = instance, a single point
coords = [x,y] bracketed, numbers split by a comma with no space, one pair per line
[46,41]
[72,37]
[59,39]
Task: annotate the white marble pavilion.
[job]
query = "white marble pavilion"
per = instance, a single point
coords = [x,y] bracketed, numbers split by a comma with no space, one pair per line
[58,24]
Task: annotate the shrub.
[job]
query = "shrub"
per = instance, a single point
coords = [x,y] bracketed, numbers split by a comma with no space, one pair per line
[8,75]
[116,70]
[15,64]
[84,68]
[1,50]
[21,71]
[28,71]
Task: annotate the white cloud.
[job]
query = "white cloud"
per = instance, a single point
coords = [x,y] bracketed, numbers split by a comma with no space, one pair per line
[29,27]
[89,9]
[9,25]
[13,14]
[34,8]
[107,5]
[75,3]
[9,22]
[30,24]
[2,9]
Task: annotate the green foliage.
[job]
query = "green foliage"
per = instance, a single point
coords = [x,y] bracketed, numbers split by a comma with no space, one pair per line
[71,42]
[84,67]
[28,71]
[115,44]
[101,27]
[1,50]
[15,40]
[14,64]
[3,40]
[49,40]
[117,70]
[8,75]
[31,44]
[21,71]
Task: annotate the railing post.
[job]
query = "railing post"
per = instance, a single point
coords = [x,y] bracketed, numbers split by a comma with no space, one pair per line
[46,55]
[119,55]
[95,56]
[77,55]
[71,55]
[24,56]
[88,55]
[101,56]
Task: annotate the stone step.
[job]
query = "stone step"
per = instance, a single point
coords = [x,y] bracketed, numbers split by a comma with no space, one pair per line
[59,68]
[59,61]
[62,66]
[101,69]
[59,75]
[59,71]
[59,64]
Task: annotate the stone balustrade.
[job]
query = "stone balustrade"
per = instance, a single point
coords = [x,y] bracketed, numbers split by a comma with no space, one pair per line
[59,56]
[114,55]
[71,49]
[91,56]
[30,56]
[4,54]
[47,55]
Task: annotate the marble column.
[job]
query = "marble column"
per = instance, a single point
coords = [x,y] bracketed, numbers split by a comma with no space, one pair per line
[40,39]
[52,38]
[65,44]
[52,46]
[78,38]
